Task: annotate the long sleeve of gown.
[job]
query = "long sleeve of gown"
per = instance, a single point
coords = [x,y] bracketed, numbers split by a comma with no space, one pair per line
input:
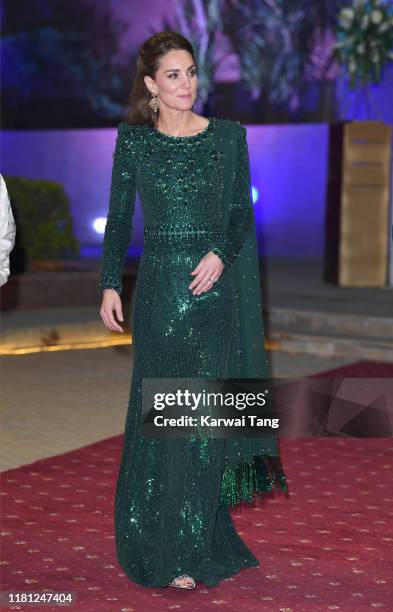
[118,229]
[241,210]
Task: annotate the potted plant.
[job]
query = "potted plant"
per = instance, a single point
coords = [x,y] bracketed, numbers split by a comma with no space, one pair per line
[364,45]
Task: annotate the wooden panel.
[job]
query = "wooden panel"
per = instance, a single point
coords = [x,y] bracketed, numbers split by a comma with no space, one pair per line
[361,202]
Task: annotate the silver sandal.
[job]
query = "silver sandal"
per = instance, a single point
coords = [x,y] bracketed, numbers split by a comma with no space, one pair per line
[183,586]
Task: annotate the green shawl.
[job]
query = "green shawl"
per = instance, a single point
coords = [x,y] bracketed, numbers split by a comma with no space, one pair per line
[252,464]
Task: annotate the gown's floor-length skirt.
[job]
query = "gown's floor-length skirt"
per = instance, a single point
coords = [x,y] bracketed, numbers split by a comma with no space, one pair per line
[168,516]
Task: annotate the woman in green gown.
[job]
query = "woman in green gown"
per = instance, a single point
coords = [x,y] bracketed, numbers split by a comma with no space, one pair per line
[196,313]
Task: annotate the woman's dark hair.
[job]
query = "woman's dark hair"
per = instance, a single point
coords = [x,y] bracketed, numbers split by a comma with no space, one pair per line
[147,64]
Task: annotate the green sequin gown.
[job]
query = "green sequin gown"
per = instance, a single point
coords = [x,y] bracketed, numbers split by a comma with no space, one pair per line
[169,518]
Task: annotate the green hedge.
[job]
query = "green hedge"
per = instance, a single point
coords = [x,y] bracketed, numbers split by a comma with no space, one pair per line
[43,219]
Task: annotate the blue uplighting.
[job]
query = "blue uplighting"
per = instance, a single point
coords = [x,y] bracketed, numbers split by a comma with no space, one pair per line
[99,225]
[254,194]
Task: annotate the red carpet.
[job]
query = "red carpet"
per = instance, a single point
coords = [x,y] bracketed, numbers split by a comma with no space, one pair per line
[328,546]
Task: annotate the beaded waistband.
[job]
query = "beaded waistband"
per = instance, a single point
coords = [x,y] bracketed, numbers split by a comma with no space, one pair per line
[180,231]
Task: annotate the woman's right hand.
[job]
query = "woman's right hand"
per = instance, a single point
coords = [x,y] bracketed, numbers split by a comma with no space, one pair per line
[111,303]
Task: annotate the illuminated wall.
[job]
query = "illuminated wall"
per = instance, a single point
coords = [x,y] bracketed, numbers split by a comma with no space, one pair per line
[288,170]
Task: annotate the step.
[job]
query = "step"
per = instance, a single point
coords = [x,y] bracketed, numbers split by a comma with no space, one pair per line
[330,323]
[287,330]
[332,346]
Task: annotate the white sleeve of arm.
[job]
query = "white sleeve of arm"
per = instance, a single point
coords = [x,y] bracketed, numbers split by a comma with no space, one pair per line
[7,232]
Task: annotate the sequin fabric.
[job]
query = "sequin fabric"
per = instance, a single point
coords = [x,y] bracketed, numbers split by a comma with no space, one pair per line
[170,517]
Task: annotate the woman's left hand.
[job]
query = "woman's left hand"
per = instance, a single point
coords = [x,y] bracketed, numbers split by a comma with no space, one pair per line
[210,267]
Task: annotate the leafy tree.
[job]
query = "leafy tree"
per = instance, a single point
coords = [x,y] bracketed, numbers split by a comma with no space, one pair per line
[275,42]
[62,63]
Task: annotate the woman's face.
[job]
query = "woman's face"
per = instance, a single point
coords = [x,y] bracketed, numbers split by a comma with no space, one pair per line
[176,80]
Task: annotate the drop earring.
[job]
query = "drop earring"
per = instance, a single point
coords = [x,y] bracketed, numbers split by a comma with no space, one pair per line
[154,103]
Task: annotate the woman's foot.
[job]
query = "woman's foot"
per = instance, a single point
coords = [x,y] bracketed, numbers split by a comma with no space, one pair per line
[183,582]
